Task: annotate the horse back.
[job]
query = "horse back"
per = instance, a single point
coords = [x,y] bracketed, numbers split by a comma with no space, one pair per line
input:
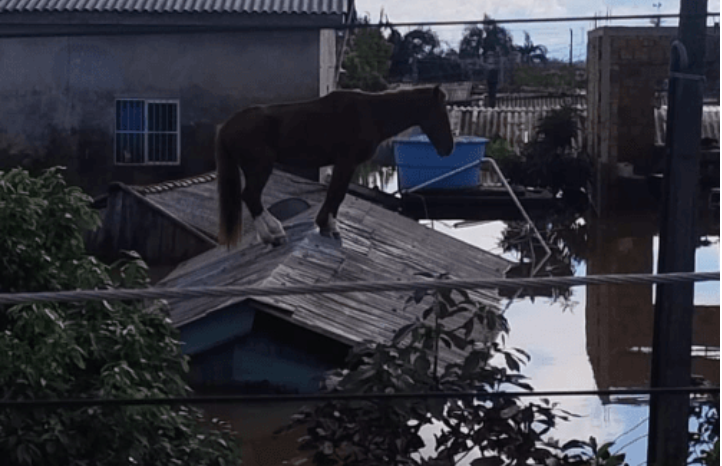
[315,132]
[320,131]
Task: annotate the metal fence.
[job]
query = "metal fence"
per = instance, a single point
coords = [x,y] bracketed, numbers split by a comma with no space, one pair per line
[516,125]
[537,101]
[710,123]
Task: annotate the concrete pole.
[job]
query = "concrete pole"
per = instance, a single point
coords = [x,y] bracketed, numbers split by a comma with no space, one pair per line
[674,308]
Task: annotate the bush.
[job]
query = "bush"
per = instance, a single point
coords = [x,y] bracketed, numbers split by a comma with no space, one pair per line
[90,349]
[548,161]
[506,430]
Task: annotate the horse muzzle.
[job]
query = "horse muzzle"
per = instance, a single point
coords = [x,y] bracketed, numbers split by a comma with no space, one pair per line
[446,151]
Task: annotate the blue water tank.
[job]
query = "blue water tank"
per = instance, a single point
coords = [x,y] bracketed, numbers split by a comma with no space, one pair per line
[417,162]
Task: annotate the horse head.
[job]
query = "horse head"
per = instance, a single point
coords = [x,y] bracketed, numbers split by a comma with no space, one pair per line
[435,123]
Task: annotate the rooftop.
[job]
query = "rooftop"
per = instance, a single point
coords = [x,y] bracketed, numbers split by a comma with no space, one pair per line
[178,6]
[377,245]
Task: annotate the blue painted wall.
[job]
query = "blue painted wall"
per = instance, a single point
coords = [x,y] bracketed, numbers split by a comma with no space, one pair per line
[216,329]
[243,347]
[260,358]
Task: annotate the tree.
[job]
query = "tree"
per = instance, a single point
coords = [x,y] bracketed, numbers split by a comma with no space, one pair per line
[416,46]
[497,39]
[470,50]
[479,42]
[505,430]
[418,56]
[704,438]
[531,53]
[90,349]
[367,63]
[483,50]
[470,45]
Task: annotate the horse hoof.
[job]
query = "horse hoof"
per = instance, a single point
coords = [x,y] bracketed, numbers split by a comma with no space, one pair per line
[330,234]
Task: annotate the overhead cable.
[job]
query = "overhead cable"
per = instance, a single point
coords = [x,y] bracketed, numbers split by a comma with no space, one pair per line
[348,287]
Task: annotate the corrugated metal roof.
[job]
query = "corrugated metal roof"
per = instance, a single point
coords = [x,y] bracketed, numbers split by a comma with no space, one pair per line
[178,6]
[377,245]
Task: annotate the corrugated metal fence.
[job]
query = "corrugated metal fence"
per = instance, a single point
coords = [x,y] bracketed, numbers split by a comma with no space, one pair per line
[710,123]
[517,125]
[537,101]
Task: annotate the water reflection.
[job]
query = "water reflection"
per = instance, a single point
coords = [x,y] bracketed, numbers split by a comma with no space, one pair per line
[565,233]
[373,175]
[620,317]
[599,337]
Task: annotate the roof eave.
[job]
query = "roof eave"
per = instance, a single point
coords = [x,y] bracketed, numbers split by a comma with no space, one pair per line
[69,23]
[202,236]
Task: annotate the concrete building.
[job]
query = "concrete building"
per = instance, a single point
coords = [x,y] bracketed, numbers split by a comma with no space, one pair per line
[132,91]
[626,67]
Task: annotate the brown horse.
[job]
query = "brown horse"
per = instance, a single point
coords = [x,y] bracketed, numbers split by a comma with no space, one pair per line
[342,129]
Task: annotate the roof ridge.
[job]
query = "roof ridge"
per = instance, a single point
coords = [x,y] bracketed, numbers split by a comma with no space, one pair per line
[174,184]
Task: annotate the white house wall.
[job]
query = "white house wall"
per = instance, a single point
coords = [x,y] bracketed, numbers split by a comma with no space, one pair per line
[327,61]
[58,93]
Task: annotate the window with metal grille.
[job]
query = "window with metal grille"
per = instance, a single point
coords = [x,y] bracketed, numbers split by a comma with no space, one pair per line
[146,132]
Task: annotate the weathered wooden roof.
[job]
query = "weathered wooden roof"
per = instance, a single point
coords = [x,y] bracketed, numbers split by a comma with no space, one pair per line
[195,201]
[377,245]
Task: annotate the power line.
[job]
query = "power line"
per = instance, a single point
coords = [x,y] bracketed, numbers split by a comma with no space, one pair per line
[236,399]
[112,29]
[372,287]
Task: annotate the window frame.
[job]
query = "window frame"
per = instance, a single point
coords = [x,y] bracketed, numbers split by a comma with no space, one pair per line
[145,132]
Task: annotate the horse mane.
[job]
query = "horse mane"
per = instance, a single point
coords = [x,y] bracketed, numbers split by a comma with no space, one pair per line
[393,92]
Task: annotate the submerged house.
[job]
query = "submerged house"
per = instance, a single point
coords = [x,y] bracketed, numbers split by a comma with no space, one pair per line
[284,342]
[132,91]
[281,344]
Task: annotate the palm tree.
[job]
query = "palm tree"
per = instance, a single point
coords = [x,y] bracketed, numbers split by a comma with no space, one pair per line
[531,53]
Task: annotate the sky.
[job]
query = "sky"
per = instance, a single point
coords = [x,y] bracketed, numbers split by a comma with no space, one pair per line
[555,36]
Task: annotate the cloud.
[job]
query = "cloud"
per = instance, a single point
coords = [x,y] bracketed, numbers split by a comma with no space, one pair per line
[555,36]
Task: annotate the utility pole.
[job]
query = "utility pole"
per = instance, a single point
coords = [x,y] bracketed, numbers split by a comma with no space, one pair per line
[674,307]
[571,45]
[657,21]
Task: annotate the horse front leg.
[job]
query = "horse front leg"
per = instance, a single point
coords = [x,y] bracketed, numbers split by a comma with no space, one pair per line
[326,218]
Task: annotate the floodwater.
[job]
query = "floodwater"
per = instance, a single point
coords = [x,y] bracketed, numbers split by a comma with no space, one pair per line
[599,337]
[583,338]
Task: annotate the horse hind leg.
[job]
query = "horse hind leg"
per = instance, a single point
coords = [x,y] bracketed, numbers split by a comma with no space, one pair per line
[331,228]
[257,169]
[269,229]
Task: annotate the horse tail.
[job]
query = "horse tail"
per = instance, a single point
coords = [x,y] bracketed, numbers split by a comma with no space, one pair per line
[229,195]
